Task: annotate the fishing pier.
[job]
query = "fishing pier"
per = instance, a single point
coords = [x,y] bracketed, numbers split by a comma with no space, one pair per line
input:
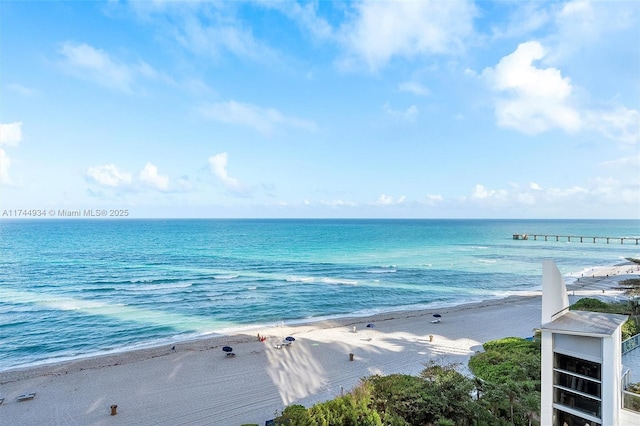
[576,238]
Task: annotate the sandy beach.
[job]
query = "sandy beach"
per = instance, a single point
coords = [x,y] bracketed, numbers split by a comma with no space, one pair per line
[195,383]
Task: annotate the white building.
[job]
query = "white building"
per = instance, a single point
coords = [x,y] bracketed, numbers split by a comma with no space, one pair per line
[581,362]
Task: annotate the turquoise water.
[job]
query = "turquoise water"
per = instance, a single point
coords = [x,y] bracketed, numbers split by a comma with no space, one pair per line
[72,288]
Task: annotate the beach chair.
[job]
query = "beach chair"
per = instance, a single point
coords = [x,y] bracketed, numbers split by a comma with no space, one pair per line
[435,321]
[230,354]
[1,401]
[26,396]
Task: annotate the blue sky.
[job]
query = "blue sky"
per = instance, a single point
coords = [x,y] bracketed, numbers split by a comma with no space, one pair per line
[374,109]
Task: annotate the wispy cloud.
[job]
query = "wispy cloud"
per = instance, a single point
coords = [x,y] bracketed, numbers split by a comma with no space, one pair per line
[631,162]
[414,87]
[264,120]
[92,64]
[22,90]
[306,16]
[525,18]
[337,203]
[109,175]
[620,124]
[410,114]
[582,23]
[217,32]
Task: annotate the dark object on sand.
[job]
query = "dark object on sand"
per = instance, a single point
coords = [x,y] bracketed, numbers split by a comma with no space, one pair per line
[26,396]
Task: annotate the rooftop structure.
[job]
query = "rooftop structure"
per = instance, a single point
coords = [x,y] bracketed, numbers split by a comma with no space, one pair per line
[582,377]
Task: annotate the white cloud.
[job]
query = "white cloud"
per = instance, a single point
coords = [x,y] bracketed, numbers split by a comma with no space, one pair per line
[149,176]
[88,63]
[264,120]
[218,164]
[5,164]
[414,87]
[386,200]
[11,133]
[410,114]
[534,194]
[535,99]
[109,175]
[480,192]
[385,29]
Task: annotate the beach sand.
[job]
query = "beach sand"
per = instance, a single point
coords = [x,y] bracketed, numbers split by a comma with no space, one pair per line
[196,384]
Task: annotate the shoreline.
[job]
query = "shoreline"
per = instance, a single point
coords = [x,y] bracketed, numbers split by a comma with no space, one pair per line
[195,383]
[218,341]
[612,273]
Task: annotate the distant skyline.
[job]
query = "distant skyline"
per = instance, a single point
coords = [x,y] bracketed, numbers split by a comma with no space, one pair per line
[320,109]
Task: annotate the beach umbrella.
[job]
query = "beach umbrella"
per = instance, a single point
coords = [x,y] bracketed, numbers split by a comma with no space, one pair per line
[437,315]
[290,339]
[227,349]
[370,325]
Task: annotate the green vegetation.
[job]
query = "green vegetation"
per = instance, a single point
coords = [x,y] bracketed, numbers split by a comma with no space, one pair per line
[352,409]
[510,371]
[632,402]
[506,391]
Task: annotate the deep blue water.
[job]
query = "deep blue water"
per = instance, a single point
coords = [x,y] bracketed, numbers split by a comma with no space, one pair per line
[72,288]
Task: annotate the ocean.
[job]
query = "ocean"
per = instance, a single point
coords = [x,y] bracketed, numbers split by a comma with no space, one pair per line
[75,288]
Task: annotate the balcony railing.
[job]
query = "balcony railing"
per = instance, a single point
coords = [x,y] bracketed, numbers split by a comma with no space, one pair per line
[630,400]
[630,344]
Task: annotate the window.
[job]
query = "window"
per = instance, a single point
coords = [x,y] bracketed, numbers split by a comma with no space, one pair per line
[565,419]
[577,383]
[578,366]
[577,401]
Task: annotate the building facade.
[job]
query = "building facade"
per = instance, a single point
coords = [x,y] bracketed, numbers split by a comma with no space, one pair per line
[581,360]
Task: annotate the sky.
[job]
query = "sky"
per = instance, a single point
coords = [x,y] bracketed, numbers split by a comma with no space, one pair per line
[321,109]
